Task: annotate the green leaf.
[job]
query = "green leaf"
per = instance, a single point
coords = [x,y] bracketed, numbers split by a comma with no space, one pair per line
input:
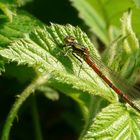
[42,50]
[92,19]
[6,10]
[22,23]
[113,123]
[49,93]
[123,54]
[102,18]
[131,43]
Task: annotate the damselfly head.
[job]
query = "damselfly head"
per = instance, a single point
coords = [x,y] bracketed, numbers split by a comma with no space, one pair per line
[69,40]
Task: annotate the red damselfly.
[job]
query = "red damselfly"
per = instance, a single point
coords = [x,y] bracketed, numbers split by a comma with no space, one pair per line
[127,93]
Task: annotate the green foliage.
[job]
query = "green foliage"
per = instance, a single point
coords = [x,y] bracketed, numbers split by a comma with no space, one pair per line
[103,17]
[27,42]
[8,7]
[22,23]
[118,124]
[126,47]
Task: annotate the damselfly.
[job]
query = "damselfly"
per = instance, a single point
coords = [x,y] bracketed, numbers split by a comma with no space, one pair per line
[131,95]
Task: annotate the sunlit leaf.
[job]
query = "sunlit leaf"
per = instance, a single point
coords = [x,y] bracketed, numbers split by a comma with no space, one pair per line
[113,123]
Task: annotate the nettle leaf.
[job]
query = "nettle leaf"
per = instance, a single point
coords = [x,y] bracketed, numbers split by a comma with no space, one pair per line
[114,123]
[22,23]
[42,49]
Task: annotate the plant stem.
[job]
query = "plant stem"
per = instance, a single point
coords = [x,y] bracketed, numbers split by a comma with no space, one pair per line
[19,101]
[35,116]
